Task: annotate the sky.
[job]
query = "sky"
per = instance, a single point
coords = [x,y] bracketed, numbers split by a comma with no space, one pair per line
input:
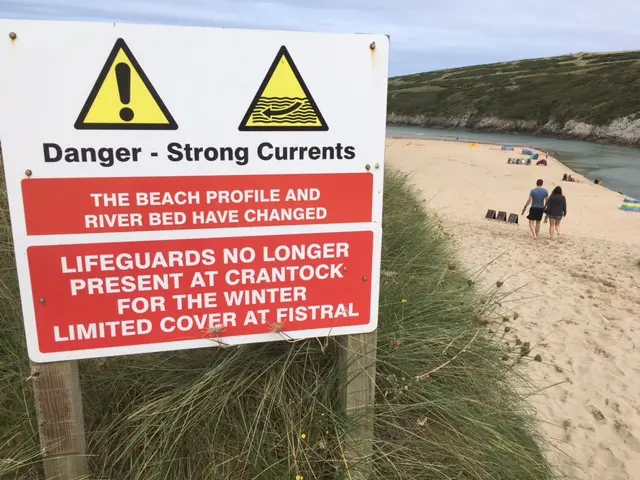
[425,34]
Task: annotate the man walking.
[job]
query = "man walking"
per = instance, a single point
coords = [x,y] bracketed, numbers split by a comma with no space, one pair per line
[537,197]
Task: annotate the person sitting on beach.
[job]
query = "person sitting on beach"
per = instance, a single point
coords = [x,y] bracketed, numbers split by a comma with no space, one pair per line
[597,181]
[565,177]
[537,199]
[556,208]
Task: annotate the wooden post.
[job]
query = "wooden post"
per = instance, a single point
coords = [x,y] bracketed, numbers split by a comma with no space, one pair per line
[358,366]
[56,388]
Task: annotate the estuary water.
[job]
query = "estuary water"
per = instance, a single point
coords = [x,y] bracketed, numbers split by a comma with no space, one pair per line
[617,167]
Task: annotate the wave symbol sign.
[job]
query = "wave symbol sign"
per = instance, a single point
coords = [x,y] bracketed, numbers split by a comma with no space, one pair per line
[269,112]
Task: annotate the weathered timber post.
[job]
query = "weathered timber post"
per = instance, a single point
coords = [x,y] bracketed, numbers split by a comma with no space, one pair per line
[358,366]
[56,388]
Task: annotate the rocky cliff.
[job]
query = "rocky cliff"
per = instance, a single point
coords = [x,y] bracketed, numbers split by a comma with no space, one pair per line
[624,131]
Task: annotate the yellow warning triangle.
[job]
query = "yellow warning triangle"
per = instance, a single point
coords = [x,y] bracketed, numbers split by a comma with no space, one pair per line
[123,98]
[283,101]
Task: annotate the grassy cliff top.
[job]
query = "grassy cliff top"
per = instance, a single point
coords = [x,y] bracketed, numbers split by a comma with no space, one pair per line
[590,87]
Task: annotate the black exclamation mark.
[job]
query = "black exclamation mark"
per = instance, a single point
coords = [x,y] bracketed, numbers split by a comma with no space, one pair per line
[123,76]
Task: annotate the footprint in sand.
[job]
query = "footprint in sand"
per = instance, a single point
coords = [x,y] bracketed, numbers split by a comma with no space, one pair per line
[615,406]
[610,459]
[598,350]
[623,430]
[566,425]
[597,414]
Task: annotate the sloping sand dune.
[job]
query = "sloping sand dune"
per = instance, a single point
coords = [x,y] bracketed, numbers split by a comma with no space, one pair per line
[577,298]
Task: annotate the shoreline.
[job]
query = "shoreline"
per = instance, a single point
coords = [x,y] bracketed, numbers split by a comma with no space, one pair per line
[551,155]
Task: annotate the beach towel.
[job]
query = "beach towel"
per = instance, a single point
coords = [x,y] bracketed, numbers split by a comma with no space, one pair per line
[630,205]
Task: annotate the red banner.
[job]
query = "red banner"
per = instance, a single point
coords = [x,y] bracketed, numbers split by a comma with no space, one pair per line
[93,205]
[122,294]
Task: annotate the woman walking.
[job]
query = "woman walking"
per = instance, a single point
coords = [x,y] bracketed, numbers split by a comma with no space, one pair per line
[556,209]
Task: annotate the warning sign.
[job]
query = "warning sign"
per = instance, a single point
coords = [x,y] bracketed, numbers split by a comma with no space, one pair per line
[134,236]
[283,101]
[93,205]
[200,292]
[123,98]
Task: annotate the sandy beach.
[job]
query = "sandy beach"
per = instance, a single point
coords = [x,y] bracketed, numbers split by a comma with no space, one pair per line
[577,297]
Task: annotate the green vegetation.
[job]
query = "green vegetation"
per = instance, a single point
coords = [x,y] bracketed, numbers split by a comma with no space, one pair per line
[592,88]
[447,406]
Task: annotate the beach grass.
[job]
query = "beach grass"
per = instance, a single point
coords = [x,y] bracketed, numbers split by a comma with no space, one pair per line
[447,402]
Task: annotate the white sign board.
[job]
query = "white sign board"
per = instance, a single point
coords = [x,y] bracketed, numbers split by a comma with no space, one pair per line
[180,187]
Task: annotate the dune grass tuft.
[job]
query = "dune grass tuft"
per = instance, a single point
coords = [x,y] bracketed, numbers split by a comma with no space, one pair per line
[447,406]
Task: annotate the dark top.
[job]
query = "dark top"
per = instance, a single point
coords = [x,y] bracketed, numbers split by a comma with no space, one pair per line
[557,206]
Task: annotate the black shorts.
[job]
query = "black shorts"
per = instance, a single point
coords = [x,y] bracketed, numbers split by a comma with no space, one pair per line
[535,214]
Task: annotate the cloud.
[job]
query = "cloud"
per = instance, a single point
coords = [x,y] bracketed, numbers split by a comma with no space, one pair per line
[425,34]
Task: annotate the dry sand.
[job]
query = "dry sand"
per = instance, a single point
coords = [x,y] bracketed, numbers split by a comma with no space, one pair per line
[578,297]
